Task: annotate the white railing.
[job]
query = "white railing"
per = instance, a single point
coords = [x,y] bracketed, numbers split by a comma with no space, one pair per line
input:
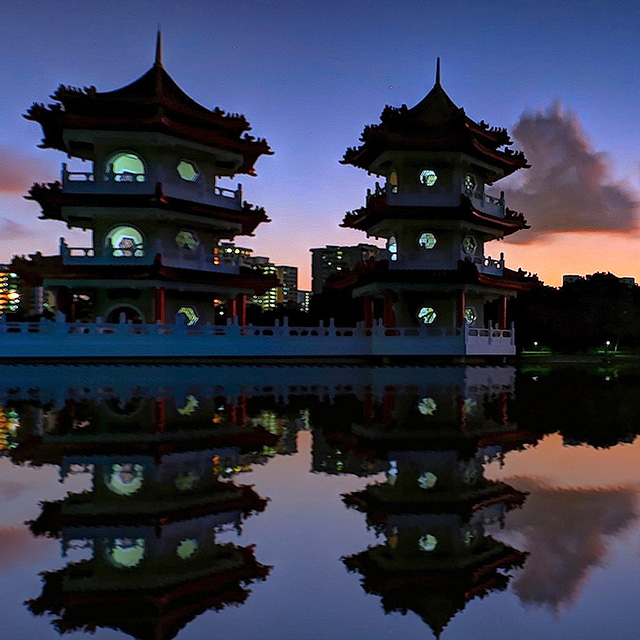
[125,340]
[487,264]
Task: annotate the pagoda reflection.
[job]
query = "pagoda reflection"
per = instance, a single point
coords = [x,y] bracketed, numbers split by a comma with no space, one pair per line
[162,490]
[434,505]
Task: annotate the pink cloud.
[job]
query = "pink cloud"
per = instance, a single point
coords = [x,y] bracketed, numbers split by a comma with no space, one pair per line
[19,171]
[569,185]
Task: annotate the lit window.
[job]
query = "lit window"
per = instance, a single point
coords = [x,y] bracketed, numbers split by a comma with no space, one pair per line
[127,553]
[191,402]
[393,181]
[125,242]
[427,240]
[187,171]
[428,177]
[125,479]
[126,167]
[469,245]
[427,480]
[392,248]
[470,183]
[428,542]
[427,406]
[190,314]
[470,315]
[187,239]
[186,481]
[186,548]
[427,315]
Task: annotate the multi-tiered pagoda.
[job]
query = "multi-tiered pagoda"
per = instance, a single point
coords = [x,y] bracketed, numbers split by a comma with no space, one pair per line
[151,201]
[437,218]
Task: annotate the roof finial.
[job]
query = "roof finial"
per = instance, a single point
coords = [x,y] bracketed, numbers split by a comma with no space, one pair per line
[158,62]
[438,72]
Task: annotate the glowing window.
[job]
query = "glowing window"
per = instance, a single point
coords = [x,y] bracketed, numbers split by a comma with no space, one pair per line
[188,171]
[191,402]
[127,553]
[427,240]
[469,538]
[427,406]
[187,239]
[427,315]
[470,183]
[126,167]
[186,481]
[470,315]
[186,548]
[393,181]
[125,479]
[427,480]
[428,542]
[392,248]
[125,242]
[428,177]
[469,244]
[190,314]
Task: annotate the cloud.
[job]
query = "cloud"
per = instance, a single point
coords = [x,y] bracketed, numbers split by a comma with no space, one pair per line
[10,230]
[567,532]
[568,187]
[18,171]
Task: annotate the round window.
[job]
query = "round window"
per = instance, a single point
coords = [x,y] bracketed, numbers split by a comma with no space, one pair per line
[427,315]
[428,177]
[125,242]
[470,183]
[187,239]
[470,315]
[427,240]
[469,245]
[126,167]
[187,170]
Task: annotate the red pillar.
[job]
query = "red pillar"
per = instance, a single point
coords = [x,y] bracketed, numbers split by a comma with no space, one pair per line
[462,305]
[242,411]
[241,309]
[159,415]
[368,311]
[388,316]
[502,313]
[158,304]
[231,308]
[388,406]
[232,411]
[503,413]
[462,413]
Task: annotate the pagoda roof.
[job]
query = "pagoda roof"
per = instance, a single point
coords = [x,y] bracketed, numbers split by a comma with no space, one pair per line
[436,123]
[372,272]
[52,198]
[154,103]
[37,268]
[378,209]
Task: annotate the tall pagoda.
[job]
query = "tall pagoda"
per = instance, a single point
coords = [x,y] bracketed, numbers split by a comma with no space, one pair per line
[151,201]
[437,218]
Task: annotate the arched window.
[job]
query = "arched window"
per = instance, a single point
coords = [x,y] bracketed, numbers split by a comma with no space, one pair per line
[393,181]
[125,167]
[125,242]
[392,248]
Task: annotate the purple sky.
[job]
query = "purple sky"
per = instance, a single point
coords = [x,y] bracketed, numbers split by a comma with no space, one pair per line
[309,77]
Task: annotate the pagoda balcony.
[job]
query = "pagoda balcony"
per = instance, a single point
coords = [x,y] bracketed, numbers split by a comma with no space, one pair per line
[487,264]
[80,182]
[199,260]
[420,196]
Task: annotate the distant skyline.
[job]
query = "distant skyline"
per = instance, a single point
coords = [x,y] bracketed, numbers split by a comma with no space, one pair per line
[564,80]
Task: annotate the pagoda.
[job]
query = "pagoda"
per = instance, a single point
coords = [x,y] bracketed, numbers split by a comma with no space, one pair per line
[436,217]
[151,201]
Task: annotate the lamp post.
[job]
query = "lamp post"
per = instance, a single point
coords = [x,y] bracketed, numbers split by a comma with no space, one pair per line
[606,349]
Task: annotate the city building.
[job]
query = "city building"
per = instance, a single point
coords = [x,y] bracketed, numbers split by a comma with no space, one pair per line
[152,202]
[436,217]
[9,290]
[304,300]
[287,290]
[334,260]
[571,279]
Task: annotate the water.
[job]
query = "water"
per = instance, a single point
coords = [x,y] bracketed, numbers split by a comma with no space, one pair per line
[319,502]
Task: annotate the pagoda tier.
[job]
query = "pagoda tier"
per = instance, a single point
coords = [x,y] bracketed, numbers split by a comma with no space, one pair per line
[153,103]
[435,124]
[140,606]
[226,219]
[502,222]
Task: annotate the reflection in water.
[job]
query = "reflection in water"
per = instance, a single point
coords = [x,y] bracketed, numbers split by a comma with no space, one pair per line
[162,447]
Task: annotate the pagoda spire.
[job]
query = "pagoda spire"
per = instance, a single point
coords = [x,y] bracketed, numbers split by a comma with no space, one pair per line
[158,61]
[438,72]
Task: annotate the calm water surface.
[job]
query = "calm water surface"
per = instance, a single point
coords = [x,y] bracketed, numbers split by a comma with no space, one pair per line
[319,502]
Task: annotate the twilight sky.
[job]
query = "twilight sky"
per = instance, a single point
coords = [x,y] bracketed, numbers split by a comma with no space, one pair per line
[562,77]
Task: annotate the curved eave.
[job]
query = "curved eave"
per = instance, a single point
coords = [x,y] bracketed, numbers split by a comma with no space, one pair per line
[39,268]
[52,199]
[377,209]
[55,122]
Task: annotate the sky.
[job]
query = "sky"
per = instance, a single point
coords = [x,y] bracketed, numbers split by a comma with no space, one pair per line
[562,77]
